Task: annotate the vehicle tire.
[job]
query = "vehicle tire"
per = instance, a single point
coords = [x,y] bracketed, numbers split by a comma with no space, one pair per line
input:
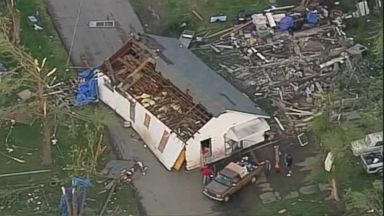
[226,198]
[380,172]
[253,180]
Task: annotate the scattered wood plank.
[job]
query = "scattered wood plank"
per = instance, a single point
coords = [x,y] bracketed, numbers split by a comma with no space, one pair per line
[13,158]
[279,123]
[300,111]
[215,48]
[219,32]
[224,46]
[25,173]
[236,29]
[108,198]
[197,15]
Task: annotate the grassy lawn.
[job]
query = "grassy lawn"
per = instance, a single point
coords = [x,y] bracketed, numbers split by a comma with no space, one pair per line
[45,43]
[39,194]
[172,13]
[25,142]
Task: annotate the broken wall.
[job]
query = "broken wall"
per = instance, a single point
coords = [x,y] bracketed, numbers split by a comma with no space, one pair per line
[151,135]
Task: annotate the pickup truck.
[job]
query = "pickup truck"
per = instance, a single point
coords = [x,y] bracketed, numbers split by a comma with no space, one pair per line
[232,178]
[371,142]
[373,162]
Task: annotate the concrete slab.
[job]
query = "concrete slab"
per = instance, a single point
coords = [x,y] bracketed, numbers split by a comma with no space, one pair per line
[265,185]
[324,187]
[267,197]
[292,195]
[267,189]
[261,179]
[308,190]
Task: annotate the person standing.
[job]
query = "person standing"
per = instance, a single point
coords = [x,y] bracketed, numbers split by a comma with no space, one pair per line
[288,159]
[206,172]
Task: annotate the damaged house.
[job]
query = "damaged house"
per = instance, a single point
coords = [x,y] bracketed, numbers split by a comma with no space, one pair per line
[185,112]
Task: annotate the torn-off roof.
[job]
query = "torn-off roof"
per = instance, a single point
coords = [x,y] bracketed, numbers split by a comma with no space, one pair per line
[190,74]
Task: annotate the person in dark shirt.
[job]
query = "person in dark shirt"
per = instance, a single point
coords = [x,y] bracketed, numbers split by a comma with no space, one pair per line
[288,159]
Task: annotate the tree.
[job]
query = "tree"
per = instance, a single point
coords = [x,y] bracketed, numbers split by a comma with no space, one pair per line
[30,72]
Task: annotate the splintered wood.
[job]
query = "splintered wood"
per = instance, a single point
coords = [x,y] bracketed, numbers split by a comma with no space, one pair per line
[292,71]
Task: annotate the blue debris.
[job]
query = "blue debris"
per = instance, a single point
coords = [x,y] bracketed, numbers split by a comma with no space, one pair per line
[63,210]
[87,74]
[285,23]
[311,18]
[81,184]
[86,91]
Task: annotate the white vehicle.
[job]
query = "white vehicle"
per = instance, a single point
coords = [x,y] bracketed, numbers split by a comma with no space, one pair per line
[371,142]
[373,162]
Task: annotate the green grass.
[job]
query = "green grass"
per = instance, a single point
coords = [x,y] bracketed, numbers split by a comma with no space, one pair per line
[41,44]
[174,12]
[27,140]
[304,206]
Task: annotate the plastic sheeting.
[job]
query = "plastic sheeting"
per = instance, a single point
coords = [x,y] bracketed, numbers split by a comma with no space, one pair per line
[81,184]
[285,23]
[87,90]
[311,17]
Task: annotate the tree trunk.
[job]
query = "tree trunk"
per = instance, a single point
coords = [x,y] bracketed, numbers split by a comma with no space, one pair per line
[46,144]
[334,192]
[46,157]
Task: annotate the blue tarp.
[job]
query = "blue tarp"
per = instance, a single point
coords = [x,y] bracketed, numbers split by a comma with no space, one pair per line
[87,91]
[81,184]
[63,210]
[311,17]
[285,23]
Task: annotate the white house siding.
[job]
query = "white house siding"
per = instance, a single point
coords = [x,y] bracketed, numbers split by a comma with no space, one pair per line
[152,135]
[215,129]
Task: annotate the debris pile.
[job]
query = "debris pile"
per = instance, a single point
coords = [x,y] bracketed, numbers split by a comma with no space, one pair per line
[291,68]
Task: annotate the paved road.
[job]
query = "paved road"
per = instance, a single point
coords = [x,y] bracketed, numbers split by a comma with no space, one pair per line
[95,43]
[162,193]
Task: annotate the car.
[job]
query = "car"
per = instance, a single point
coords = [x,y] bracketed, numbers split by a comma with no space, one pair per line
[232,178]
[372,162]
[371,142]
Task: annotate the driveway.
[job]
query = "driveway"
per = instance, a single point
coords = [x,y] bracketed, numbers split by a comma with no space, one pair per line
[71,19]
[161,193]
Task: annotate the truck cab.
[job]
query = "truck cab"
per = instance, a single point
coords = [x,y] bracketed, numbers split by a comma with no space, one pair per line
[373,162]
[231,179]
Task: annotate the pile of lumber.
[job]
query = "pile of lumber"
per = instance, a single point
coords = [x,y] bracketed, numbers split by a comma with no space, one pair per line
[293,71]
